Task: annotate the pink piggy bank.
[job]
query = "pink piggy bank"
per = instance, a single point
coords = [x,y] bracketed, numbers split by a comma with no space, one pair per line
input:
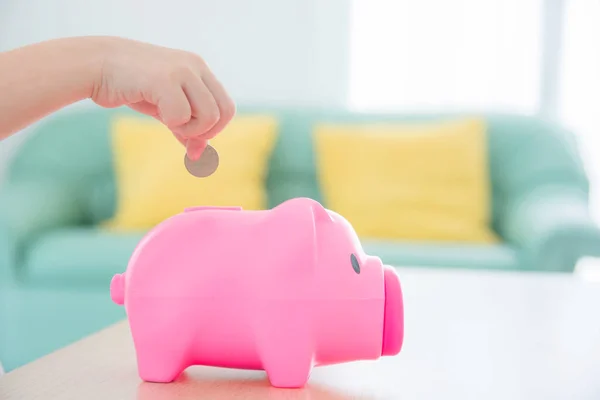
[280,290]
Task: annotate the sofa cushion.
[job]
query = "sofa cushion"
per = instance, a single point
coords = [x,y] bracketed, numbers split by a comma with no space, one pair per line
[101,199]
[79,255]
[153,184]
[454,255]
[408,181]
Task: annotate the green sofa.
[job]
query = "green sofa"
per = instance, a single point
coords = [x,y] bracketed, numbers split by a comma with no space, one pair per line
[55,265]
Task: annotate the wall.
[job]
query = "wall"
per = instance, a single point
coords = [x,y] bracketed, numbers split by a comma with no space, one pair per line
[264,51]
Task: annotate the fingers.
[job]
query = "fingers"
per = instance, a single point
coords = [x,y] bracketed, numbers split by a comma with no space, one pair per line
[195,147]
[205,112]
[224,102]
[174,109]
[194,106]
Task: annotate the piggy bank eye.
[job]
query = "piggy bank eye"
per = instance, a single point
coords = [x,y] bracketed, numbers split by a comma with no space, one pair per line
[355,264]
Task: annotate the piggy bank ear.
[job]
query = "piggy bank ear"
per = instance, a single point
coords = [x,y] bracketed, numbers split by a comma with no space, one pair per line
[293,226]
[320,213]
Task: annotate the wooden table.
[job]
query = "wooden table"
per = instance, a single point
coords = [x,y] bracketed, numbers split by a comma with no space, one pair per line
[469,335]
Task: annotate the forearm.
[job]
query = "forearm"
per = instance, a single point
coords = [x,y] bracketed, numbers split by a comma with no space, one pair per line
[41,78]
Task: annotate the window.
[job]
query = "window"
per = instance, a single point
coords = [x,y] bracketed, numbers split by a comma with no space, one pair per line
[436,54]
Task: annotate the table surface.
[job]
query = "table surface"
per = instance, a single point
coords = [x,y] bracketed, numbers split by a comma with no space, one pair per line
[469,335]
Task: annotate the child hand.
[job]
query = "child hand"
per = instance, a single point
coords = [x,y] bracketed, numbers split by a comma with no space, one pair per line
[176,87]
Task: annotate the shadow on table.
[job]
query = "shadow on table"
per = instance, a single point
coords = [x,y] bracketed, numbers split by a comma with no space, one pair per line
[192,387]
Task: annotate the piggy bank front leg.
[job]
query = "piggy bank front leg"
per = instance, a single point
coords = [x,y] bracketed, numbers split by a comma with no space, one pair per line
[286,345]
[163,351]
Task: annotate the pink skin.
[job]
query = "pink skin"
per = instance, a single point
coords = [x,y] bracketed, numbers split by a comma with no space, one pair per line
[271,290]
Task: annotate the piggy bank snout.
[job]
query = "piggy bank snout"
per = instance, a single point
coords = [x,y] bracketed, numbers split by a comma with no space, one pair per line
[393,323]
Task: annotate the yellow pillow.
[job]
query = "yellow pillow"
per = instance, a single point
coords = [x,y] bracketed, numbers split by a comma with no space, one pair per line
[413,181]
[153,184]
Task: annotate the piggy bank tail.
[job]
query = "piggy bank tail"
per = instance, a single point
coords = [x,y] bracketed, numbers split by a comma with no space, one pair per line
[117,289]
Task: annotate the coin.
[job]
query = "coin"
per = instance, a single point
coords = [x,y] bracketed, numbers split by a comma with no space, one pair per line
[206,165]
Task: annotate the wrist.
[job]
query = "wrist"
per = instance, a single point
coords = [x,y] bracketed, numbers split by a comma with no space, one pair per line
[85,60]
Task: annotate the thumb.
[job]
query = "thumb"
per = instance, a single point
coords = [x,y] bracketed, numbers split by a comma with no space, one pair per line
[195,147]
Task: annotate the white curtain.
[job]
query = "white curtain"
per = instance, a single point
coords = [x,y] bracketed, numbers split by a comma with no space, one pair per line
[439,54]
[579,94]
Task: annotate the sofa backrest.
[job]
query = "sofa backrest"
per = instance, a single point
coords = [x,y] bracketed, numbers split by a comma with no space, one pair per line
[72,148]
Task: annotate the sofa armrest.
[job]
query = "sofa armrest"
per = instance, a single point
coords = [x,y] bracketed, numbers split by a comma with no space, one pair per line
[552,226]
[27,209]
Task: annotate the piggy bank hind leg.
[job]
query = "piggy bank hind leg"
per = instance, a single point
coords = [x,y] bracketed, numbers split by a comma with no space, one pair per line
[285,346]
[162,351]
